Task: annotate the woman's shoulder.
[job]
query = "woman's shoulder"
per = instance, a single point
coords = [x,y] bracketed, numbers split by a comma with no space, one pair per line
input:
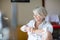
[31,23]
[47,24]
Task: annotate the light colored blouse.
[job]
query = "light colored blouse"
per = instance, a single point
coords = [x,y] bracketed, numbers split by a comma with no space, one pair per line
[46,26]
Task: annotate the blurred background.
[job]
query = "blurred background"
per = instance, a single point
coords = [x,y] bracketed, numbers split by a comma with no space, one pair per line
[15,14]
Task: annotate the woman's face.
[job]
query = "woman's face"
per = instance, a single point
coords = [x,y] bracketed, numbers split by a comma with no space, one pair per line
[39,17]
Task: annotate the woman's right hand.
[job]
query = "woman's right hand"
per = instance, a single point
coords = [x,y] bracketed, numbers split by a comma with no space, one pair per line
[29,29]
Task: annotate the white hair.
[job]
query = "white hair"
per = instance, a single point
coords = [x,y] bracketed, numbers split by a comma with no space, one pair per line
[39,10]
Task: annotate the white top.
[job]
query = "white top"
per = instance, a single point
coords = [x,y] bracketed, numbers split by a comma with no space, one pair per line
[44,25]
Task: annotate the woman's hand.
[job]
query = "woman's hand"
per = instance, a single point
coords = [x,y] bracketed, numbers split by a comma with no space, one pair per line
[37,31]
[29,29]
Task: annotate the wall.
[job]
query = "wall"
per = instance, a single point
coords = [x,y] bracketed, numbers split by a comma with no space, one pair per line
[24,11]
[6,8]
[0,5]
[53,6]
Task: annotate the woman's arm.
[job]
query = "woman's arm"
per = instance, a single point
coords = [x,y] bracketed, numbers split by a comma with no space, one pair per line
[49,36]
[26,28]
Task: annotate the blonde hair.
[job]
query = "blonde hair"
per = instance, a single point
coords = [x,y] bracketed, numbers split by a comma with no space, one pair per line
[39,10]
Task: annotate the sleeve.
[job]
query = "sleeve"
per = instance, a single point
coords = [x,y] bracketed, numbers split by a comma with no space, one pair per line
[49,27]
[23,28]
[29,24]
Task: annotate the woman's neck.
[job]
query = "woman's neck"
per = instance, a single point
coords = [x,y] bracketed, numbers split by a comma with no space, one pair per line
[37,23]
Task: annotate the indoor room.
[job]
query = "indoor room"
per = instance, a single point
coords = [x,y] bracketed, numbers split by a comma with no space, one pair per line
[14,14]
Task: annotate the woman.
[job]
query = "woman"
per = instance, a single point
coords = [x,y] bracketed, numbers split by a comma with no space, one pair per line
[38,28]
